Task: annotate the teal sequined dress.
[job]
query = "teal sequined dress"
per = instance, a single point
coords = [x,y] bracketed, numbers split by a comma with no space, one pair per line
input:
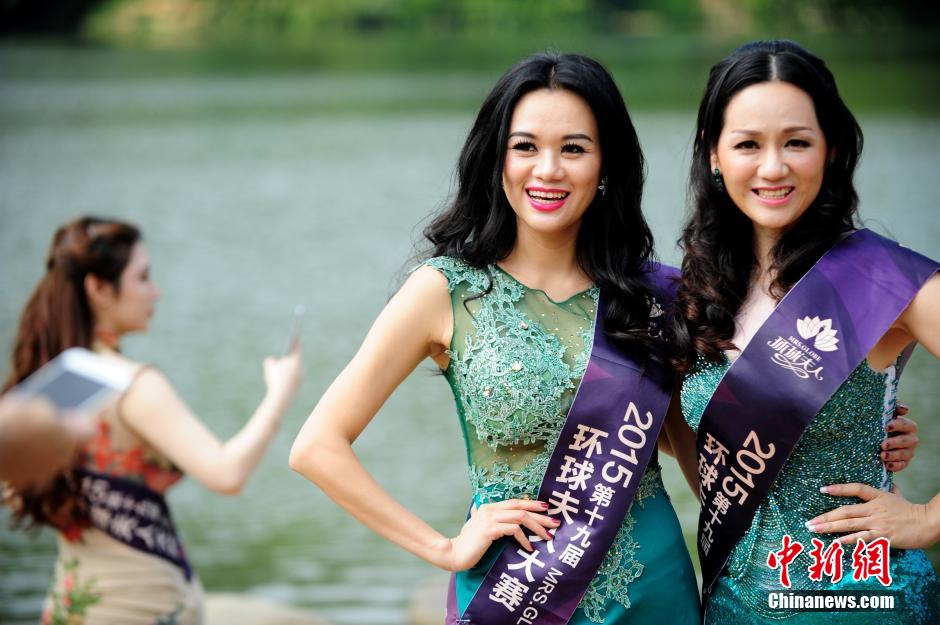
[516,359]
[841,445]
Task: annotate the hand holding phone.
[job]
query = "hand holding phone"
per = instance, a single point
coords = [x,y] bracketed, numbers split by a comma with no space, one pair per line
[293,336]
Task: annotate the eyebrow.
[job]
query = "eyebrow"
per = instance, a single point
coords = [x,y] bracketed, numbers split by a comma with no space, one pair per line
[788,129]
[529,135]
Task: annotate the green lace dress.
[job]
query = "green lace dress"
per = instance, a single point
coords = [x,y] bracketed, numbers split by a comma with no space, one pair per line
[516,358]
[841,445]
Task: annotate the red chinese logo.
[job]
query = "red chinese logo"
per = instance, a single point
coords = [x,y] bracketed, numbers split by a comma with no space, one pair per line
[784,558]
[871,559]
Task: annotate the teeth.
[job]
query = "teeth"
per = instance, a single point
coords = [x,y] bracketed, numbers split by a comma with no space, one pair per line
[545,195]
[774,194]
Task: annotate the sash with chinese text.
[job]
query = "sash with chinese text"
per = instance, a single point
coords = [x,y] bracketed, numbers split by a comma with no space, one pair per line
[608,439]
[132,514]
[816,336]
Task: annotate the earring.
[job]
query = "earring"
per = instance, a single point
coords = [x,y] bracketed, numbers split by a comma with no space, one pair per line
[719,181]
[602,187]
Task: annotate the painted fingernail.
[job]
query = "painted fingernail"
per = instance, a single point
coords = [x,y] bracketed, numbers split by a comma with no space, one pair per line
[810,526]
[884,445]
[556,521]
[884,455]
[543,505]
[551,535]
[824,489]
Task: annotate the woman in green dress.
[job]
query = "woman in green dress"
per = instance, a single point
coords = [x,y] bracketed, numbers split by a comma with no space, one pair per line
[546,216]
[775,152]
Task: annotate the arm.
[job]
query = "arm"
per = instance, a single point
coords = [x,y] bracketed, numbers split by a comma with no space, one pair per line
[416,323]
[920,320]
[907,525]
[36,442]
[154,410]
[682,443]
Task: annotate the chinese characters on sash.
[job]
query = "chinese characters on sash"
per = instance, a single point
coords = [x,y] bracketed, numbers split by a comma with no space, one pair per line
[599,466]
[733,490]
[135,520]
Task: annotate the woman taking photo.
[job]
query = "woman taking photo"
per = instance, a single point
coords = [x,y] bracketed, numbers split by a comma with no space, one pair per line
[792,329]
[120,559]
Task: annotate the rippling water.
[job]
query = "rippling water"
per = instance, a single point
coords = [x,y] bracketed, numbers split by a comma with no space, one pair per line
[257,193]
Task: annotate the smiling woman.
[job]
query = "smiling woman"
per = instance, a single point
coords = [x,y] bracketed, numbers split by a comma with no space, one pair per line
[550,175]
[772,250]
[540,282]
[771,155]
[553,164]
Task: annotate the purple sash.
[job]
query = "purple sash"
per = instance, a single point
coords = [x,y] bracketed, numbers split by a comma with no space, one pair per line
[133,514]
[815,337]
[607,441]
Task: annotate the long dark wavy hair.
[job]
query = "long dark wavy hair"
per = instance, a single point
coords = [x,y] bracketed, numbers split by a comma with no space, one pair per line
[57,317]
[614,242]
[717,239]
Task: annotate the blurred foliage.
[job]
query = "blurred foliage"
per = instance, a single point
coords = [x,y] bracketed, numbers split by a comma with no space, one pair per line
[298,23]
[659,50]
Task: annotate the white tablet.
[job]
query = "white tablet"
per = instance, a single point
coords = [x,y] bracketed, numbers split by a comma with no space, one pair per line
[78,379]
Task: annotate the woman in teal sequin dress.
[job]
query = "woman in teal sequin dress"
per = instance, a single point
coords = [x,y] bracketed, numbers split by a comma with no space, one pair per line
[774,156]
[546,216]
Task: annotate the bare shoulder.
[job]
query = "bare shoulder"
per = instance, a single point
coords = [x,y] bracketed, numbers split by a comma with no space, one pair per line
[920,321]
[926,304]
[420,310]
[429,282]
[424,294]
[150,385]
[931,289]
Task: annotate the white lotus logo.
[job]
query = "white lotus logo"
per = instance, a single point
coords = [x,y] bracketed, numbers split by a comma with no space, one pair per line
[825,336]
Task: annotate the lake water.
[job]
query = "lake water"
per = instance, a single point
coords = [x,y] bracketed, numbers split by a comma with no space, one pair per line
[256,193]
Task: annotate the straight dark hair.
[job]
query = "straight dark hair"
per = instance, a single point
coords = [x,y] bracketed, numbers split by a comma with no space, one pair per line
[717,239]
[614,243]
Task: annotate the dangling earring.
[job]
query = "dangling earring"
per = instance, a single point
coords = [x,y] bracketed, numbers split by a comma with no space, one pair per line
[602,187]
[719,181]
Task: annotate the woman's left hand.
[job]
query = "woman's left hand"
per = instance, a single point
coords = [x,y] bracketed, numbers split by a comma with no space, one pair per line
[883,514]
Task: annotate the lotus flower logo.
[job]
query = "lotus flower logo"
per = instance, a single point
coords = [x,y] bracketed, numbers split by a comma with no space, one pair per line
[825,336]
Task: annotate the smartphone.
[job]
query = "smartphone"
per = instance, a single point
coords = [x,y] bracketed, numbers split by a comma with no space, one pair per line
[77,380]
[293,337]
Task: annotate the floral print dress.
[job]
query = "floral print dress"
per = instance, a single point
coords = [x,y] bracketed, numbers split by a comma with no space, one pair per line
[101,581]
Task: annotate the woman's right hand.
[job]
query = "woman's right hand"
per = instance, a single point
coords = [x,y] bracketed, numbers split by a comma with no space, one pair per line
[491,521]
[282,376]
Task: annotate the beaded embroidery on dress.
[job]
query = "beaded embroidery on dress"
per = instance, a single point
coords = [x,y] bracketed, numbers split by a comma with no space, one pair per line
[840,445]
[516,359]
